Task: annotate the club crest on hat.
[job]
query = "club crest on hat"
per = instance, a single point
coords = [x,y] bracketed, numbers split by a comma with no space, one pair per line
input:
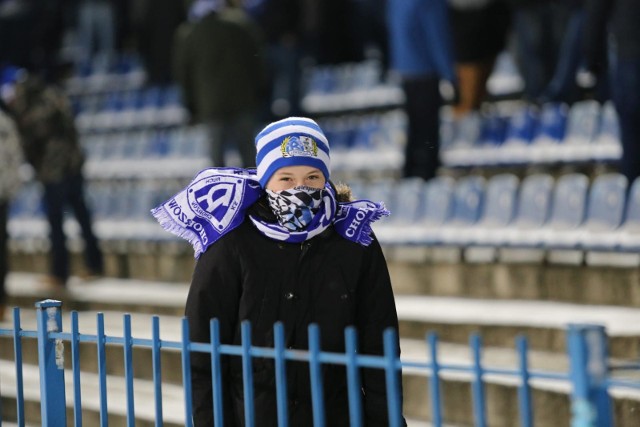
[299,145]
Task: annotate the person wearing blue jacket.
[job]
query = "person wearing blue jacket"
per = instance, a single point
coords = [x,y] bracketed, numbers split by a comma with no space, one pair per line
[421,53]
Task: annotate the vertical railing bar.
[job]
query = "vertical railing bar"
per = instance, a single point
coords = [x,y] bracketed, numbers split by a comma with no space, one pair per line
[186,373]
[393,385]
[315,370]
[157,369]
[53,409]
[102,370]
[353,377]
[478,386]
[434,384]
[17,352]
[216,374]
[247,374]
[128,370]
[281,374]
[75,366]
[524,391]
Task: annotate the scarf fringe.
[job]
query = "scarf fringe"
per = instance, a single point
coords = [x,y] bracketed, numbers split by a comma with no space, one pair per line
[380,211]
[170,225]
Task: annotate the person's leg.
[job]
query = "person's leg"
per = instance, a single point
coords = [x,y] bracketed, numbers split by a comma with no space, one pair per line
[422,105]
[55,196]
[529,24]
[215,131]
[244,130]
[625,89]
[4,254]
[472,85]
[92,252]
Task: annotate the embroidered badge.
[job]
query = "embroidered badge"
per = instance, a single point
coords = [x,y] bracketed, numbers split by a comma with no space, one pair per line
[298,145]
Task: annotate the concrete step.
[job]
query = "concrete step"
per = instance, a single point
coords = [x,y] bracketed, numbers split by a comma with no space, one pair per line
[499,322]
[453,318]
[172,398]
[591,285]
[414,270]
[123,295]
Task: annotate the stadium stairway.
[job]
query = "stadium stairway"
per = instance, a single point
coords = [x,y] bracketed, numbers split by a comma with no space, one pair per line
[454,318]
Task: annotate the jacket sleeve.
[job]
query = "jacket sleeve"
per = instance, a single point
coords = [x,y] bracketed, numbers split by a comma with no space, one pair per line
[376,312]
[214,293]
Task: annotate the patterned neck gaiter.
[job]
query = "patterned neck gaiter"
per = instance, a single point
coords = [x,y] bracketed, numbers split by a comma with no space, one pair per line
[295,208]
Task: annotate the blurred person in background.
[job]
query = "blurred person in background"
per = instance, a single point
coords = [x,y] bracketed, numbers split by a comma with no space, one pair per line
[479,29]
[96,34]
[620,55]
[280,22]
[155,22]
[10,161]
[283,244]
[539,27]
[421,53]
[50,144]
[219,62]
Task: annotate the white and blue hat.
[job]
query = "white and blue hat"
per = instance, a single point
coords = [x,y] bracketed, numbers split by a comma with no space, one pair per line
[294,141]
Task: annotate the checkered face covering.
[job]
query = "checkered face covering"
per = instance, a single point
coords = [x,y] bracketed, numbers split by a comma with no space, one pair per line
[295,208]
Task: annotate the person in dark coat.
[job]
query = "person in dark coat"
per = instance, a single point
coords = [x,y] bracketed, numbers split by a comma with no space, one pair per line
[285,248]
[50,143]
[219,64]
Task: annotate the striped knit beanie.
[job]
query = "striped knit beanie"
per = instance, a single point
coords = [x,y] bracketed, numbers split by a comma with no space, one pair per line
[294,141]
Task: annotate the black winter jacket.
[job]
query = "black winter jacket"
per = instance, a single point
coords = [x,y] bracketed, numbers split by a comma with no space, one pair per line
[326,280]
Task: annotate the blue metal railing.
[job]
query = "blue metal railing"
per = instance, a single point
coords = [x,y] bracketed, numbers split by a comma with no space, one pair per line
[589,374]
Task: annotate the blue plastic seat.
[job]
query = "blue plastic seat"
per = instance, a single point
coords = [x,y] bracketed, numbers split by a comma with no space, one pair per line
[605,210]
[567,213]
[546,146]
[498,212]
[435,209]
[532,212]
[404,204]
[468,203]
[583,124]
[629,232]
[607,146]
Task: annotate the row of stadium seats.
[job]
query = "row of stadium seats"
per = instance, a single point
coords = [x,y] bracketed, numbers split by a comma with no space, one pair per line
[126,109]
[539,212]
[147,153]
[517,134]
[374,141]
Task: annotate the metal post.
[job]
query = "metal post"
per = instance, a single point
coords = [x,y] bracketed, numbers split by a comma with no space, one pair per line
[588,356]
[51,363]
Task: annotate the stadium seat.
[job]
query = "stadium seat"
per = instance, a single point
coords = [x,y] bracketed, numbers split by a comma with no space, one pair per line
[532,212]
[550,134]
[468,205]
[434,211]
[404,205]
[629,232]
[499,209]
[567,214]
[605,210]
[583,124]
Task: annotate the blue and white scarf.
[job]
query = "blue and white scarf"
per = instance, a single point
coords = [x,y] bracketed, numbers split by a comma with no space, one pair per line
[217,199]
